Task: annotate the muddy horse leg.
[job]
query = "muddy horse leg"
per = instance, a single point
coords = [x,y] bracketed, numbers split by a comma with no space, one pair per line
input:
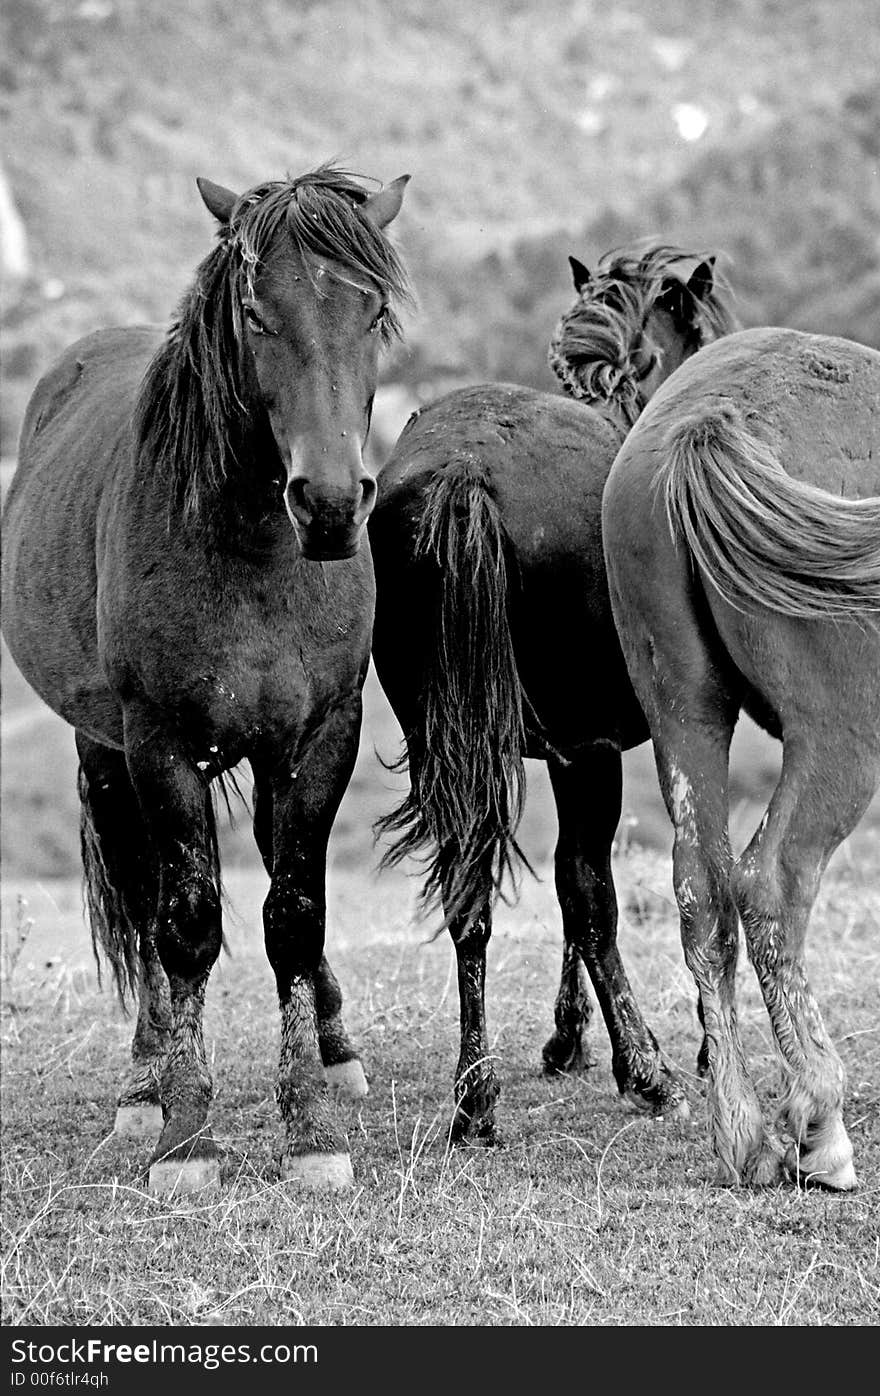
[342,1064]
[305,790]
[588,801]
[568,1050]
[476,1083]
[823,790]
[176,807]
[122,890]
[692,763]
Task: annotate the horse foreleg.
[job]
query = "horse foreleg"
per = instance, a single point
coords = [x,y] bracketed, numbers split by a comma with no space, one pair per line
[139,1111]
[176,807]
[342,1064]
[306,792]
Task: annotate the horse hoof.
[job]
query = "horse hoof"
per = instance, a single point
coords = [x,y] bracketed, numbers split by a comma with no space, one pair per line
[677,1111]
[138,1121]
[662,1106]
[570,1061]
[812,1173]
[184,1175]
[726,1175]
[766,1169]
[318,1170]
[474,1136]
[347,1080]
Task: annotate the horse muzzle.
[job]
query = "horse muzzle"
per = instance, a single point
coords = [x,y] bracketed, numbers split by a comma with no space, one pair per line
[329,523]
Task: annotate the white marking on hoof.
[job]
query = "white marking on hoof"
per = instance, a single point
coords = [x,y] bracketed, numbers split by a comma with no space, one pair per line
[347,1079]
[827,1160]
[810,1170]
[318,1170]
[138,1121]
[841,1179]
[184,1175]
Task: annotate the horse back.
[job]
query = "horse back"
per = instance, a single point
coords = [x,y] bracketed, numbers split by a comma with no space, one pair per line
[86,394]
[543,460]
[814,398]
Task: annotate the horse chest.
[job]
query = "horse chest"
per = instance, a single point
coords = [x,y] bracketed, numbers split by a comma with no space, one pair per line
[240,653]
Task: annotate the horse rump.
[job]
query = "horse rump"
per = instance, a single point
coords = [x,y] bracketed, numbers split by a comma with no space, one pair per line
[759,535]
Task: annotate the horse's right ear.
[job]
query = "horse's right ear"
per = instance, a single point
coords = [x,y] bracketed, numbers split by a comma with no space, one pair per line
[217,200]
[701,281]
[580,274]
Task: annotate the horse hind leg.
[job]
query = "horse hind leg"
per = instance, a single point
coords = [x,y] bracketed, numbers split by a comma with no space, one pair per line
[692,761]
[122,893]
[588,802]
[476,1086]
[821,795]
[568,1050]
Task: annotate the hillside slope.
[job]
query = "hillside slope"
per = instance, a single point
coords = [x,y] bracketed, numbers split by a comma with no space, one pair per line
[516,120]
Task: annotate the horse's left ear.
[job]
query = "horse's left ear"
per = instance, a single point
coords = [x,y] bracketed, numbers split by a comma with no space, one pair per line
[383,206]
[217,200]
[580,274]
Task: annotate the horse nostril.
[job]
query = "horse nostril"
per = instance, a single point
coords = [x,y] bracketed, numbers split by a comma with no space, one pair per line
[297,499]
[368,498]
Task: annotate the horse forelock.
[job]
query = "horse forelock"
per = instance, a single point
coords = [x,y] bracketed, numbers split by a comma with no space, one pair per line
[600,350]
[321,213]
[190,413]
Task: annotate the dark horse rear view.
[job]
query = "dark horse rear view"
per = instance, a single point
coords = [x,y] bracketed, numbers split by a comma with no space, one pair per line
[488,554]
[184,582]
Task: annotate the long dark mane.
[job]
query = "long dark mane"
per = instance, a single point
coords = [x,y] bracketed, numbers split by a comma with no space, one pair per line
[600,351]
[191,417]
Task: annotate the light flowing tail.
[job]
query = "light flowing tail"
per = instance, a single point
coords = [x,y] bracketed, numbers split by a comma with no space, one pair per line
[760,536]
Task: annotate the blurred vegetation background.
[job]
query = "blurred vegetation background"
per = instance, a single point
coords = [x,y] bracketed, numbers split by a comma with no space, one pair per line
[532,128]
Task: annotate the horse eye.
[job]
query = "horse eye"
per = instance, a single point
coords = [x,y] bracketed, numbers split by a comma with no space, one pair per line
[253,321]
[380,320]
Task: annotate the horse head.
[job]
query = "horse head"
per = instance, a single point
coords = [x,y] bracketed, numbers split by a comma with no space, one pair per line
[634,322]
[311,307]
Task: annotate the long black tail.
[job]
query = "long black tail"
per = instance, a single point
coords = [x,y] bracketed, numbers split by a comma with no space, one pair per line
[121,888]
[465,756]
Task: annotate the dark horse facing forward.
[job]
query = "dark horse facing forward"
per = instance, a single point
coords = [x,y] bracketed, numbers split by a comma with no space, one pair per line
[741,526]
[488,553]
[183,582]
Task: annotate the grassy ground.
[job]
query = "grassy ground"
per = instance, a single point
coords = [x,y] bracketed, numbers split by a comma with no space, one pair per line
[589,1214]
